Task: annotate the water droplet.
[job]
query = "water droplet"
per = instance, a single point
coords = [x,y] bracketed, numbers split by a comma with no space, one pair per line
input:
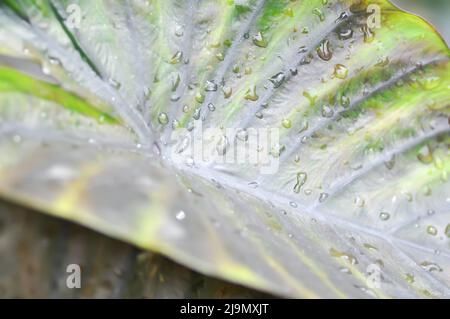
[359,202]
[319,13]
[179,32]
[293,71]
[431,230]
[345,34]
[345,101]
[210,86]
[176,82]
[430,266]
[369,35]
[409,278]
[346,256]
[176,58]
[327,111]
[163,119]
[286,123]
[220,56]
[114,84]
[260,41]
[323,197]
[251,94]
[447,231]
[211,107]
[425,156]
[242,135]
[340,71]
[199,97]
[301,180]
[293,204]
[222,146]
[196,114]
[227,91]
[181,215]
[278,79]
[185,108]
[324,52]
[384,216]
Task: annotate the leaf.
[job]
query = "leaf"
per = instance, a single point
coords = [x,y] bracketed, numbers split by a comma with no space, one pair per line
[354,199]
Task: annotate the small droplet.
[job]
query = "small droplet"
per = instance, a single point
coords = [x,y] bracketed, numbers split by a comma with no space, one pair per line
[301,180]
[210,86]
[319,13]
[114,84]
[17,139]
[286,123]
[242,135]
[251,94]
[227,91]
[409,278]
[323,197]
[181,215]
[359,202]
[345,34]
[278,79]
[163,119]
[345,101]
[447,231]
[211,107]
[260,41]
[220,56]
[346,256]
[176,58]
[340,71]
[199,97]
[384,216]
[430,266]
[179,32]
[431,230]
[369,35]
[222,146]
[327,111]
[293,204]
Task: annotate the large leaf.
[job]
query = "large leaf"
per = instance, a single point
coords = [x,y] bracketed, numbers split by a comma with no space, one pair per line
[363,116]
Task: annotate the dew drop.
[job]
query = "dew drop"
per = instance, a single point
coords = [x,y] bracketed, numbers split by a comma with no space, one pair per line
[324,51]
[199,97]
[345,101]
[384,216]
[369,35]
[211,107]
[278,79]
[430,266]
[319,13]
[327,111]
[210,86]
[301,180]
[286,123]
[242,135]
[163,119]
[340,71]
[176,58]
[346,256]
[447,231]
[251,94]
[227,92]
[222,146]
[323,197]
[431,230]
[345,34]
[260,41]
[180,215]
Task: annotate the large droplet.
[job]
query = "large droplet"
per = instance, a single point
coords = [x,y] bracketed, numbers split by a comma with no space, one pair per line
[301,180]
[340,71]
[447,231]
[278,79]
[260,41]
[324,52]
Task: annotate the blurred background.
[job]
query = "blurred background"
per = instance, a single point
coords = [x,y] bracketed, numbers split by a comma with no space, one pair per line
[435,11]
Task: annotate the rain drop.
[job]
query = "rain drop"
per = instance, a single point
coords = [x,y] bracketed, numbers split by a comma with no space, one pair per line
[340,71]
[260,41]
[163,119]
[324,51]
[301,180]
[180,215]
[278,79]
